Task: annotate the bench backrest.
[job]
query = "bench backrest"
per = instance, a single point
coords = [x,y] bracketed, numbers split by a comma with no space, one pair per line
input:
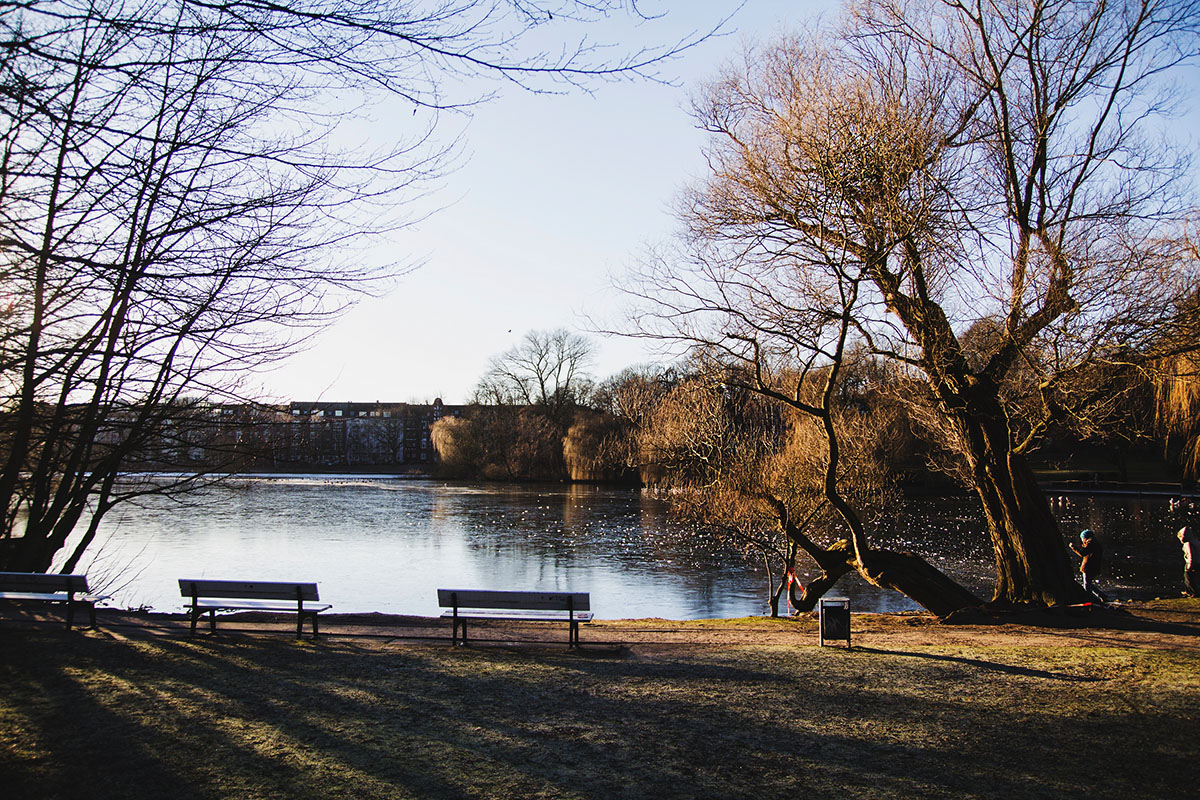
[42,582]
[539,601]
[256,590]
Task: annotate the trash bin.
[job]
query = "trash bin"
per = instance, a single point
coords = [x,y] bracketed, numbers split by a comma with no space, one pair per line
[834,619]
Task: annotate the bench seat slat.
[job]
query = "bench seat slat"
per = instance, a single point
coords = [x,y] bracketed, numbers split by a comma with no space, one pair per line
[266,590]
[53,597]
[511,614]
[42,581]
[486,598]
[231,604]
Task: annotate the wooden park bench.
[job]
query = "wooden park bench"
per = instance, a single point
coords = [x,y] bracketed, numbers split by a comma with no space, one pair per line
[40,587]
[209,597]
[475,604]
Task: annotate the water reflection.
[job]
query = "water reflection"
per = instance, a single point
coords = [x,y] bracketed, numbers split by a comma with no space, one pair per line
[384,544]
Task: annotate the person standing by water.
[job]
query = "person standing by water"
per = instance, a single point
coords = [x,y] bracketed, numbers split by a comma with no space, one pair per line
[1191,561]
[1091,551]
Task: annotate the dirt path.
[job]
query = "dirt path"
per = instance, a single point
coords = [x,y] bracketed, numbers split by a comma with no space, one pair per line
[1158,624]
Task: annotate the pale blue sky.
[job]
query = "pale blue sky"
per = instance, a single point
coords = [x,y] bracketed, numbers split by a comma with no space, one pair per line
[556,194]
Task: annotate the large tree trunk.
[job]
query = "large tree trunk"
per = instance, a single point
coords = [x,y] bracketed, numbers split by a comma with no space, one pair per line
[917,579]
[1032,564]
[909,574]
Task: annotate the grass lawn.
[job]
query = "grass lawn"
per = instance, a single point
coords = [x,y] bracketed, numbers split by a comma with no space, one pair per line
[100,714]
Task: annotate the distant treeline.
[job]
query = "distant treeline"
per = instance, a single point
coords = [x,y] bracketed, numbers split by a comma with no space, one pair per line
[641,426]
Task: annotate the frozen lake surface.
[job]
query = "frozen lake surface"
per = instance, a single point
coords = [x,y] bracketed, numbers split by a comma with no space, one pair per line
[387,544]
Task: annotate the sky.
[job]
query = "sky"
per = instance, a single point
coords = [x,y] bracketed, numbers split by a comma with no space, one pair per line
[554,197]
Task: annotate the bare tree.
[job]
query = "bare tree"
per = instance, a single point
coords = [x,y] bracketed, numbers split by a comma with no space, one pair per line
[932,164]
[546,370]
[182,202]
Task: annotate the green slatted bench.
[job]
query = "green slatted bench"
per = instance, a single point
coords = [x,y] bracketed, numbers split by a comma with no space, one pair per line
[463,605]
[40,587]
[209,597]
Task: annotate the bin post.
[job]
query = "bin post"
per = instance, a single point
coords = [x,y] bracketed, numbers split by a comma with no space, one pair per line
[834,615]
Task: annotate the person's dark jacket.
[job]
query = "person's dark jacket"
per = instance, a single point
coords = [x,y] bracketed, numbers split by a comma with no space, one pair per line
[1092,553]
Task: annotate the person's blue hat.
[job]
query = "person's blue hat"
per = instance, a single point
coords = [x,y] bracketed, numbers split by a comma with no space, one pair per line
[1085,534]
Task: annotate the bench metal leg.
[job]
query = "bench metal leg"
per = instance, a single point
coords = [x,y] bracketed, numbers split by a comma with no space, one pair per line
[454,638]
[91,607]
[573,636]
[194,616]
[312,616]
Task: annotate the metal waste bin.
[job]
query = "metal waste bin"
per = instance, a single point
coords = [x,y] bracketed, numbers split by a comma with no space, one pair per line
[834,619]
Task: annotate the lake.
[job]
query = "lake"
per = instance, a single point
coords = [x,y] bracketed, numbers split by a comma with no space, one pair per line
[385,544]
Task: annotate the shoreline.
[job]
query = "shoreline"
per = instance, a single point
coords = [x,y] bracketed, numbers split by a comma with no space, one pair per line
[1049,486]
[1170,623]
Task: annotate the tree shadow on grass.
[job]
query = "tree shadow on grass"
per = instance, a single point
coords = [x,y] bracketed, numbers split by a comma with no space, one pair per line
[995,666]
[77,745]
[1075,618]
[251,717]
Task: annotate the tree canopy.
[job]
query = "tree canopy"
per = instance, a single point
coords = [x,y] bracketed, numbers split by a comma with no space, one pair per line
[925,169]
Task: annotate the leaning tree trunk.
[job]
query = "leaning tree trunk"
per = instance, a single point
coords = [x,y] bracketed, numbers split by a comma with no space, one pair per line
[918,580]
[908,574]
[1032,564]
